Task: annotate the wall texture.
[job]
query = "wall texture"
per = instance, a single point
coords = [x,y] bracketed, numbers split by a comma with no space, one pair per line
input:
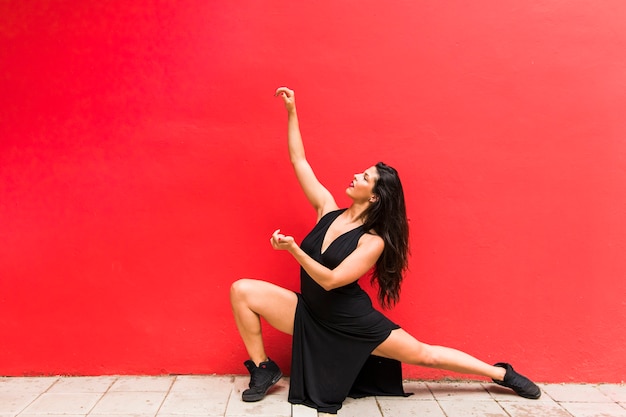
[143,167]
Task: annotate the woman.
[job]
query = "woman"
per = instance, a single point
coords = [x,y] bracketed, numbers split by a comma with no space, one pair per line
[334,325]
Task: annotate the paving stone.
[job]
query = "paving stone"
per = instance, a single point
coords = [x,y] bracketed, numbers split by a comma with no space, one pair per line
[594,409]
[516,409]
[125,415]
[48,415]
[82,384]
[190,415]
[575,393]
[142,384]
[63,403]
[209,385]
[361,407]
[419,390]
[298,410]
[470,408]
[616,392]
[12,402]
[406,407]
[270,406]
[459,391]
[132,402]
[193,404]
[25,385]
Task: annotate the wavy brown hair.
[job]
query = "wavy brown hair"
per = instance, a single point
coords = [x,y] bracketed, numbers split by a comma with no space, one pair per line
[387,217]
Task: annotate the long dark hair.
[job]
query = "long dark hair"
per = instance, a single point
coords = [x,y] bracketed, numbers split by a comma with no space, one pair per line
[387,217]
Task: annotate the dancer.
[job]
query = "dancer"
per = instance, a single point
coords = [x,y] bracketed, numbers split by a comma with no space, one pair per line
[335,328]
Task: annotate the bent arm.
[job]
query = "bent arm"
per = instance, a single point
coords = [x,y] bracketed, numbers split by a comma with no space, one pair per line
[319,197]
[353,267]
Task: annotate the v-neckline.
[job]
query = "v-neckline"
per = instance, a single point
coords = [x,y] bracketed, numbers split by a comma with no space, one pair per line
[322,250]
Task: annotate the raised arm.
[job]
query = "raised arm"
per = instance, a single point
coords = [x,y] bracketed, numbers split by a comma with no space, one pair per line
[319,197]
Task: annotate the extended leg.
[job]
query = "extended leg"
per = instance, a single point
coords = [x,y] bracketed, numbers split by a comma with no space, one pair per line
[403,347]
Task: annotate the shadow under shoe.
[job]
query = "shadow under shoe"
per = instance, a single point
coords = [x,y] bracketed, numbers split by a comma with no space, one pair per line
[262,378]
[522,386]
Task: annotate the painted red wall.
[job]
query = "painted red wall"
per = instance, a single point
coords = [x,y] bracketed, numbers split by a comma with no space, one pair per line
[143,167]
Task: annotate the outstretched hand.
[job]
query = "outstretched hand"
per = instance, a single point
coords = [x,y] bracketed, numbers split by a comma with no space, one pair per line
[288,96]
[282,242]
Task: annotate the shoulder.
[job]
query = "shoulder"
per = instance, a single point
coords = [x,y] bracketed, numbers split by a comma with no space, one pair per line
[372,241]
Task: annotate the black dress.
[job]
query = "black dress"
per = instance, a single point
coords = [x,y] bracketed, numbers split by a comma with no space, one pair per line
[336,331]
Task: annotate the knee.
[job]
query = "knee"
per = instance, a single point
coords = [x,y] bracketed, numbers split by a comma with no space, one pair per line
[239,289]
[427,356]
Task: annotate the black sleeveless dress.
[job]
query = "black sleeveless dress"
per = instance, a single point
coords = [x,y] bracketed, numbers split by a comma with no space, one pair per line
[336,331]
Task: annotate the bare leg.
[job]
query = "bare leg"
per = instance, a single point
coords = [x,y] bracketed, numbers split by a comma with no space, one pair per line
[403,347]
[252,299]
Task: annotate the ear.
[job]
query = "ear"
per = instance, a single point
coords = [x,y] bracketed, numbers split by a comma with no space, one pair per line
[373,199]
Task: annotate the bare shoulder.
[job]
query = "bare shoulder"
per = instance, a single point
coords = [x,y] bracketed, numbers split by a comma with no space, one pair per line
[372,241]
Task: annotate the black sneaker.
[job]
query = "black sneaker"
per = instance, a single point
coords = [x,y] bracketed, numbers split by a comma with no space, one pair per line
[261,379]
[523,386]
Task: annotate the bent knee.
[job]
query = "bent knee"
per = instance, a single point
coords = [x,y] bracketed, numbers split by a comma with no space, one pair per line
[241,288]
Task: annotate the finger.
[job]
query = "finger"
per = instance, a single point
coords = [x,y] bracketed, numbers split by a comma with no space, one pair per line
[284,91]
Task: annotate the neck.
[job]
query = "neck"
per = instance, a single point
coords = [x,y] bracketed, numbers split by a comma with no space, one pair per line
[355,211]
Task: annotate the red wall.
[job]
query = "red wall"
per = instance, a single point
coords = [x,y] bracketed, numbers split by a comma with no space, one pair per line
[143,167]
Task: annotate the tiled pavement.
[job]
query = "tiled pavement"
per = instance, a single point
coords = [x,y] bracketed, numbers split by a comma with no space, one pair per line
[220,396]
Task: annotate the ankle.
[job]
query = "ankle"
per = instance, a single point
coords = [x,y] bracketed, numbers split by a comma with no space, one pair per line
[258,360]
[498,373]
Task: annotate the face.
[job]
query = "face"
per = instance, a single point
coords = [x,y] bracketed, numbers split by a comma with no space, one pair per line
[362,185]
